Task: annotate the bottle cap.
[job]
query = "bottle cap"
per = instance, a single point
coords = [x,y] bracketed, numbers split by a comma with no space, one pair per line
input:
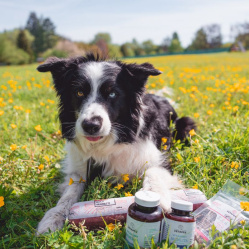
[147,198]
[182,205]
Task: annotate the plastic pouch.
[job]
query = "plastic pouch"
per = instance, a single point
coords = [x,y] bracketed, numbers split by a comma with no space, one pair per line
[222,211]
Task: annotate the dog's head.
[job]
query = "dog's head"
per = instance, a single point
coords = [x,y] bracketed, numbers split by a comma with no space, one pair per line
[97,97]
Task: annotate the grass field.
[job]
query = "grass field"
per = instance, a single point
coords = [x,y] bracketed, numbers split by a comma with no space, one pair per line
[213,89]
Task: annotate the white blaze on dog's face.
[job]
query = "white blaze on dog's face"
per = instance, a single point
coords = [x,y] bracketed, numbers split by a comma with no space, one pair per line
[93,121]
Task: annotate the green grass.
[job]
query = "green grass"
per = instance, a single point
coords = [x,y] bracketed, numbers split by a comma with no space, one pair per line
[219,80]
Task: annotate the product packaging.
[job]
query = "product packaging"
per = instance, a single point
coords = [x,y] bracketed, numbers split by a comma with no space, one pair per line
[223,211]
[95,214]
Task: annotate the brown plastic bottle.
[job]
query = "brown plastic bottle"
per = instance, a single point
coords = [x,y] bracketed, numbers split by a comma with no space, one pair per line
[180,224]
[144,219]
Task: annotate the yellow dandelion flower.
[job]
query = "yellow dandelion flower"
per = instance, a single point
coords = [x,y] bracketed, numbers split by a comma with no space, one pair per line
[58,132]
[165,147]
[233,247]
[153,85]
[13,126]
[212,105]
[1,201]
[46,158]
[164,140]
[42,104]
[192,132]
[50,101]
[196,115]
[242,222]
[235,108]
[13,147]
[24,147]
[10,101]
[1,159]
[28,111]
[125,177]
[128,194]
[1,113]
[71,181]
[209,112]
[41,167]
[242,191]
[110,227]
[38,128]
[82,180]
[196,141]
[119,186]
[234,165]
[195,186]
[197,159]
[244,205]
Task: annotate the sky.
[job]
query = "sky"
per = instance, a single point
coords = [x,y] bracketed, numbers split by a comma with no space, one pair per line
[80,20]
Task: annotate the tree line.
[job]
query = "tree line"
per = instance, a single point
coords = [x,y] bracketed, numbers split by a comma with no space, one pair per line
[39,40]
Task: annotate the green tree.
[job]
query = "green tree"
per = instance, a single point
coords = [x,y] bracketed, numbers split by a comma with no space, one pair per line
[44,32]
[175,44]
[23,43]
[149,47]
[102,37]
[114,51]
[127,49]
[200,41]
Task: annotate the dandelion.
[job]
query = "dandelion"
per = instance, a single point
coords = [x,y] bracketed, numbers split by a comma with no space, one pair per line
[42,104]
[164,140]
[242,191]
[192,132]
[119,186]
[13,126]
[196,115]
[244,205]
[153,85]
[1,201]
[41,167]
[233,247]
[82,180]
[197,159]
[212,105]
[1,113]
[242,222]
[110,227]
[28,111]
[196,141]
[195,186]
[235,108]
[1,159]
[24,147]
[10,101]
[46,158]
[125,177]
[38,128]
[165,147]
[71,181]
[209,112]
[128,194]
[50,101]
[13,147]
[234,165]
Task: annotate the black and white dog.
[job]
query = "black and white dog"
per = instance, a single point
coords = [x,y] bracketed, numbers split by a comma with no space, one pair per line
[107,117]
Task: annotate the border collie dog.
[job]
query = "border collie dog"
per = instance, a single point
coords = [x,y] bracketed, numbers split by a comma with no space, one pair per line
[106,117]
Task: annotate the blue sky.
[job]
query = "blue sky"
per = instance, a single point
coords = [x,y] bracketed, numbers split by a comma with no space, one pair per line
[80,20]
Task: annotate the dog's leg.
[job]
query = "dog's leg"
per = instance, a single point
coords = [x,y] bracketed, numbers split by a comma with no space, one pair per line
[55,217]
[159,179]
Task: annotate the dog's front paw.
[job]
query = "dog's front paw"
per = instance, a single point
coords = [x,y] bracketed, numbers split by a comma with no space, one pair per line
[165,204]
[53,220]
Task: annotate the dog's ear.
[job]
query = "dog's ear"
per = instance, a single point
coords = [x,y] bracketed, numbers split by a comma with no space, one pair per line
[53,65]
[142,71]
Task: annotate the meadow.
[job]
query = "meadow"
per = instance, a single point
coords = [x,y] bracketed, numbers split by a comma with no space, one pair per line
[213,89]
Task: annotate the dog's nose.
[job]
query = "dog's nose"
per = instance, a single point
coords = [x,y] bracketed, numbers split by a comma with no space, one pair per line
[92,125]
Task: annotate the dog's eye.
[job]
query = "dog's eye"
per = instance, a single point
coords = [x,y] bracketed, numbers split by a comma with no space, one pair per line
[80,94]
[112,95]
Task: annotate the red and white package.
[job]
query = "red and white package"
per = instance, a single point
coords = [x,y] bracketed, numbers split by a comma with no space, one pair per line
[194,196]
[96,213]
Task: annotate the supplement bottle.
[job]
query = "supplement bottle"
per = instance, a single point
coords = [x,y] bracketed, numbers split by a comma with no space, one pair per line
[180,224]
[144,219]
